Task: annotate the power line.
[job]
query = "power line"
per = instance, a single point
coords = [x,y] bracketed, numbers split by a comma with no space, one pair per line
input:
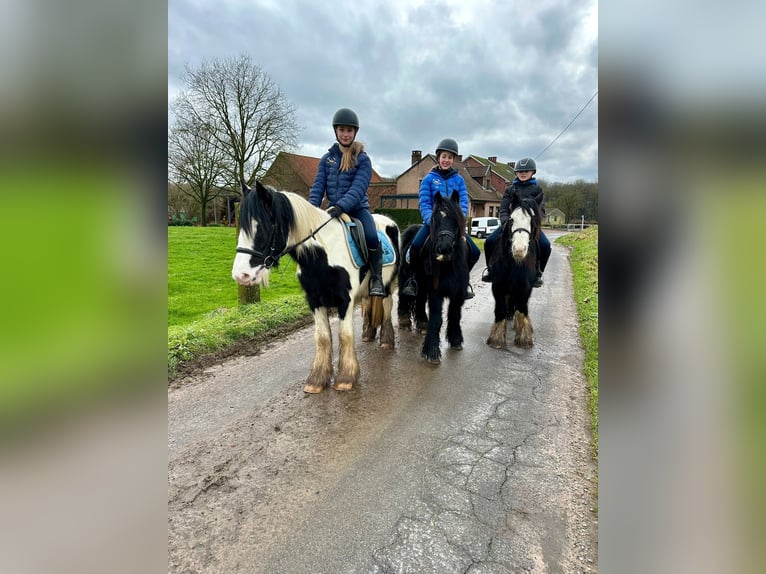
[569,124]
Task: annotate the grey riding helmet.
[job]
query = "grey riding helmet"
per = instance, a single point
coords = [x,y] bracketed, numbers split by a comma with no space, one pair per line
[447,144]
[525,164]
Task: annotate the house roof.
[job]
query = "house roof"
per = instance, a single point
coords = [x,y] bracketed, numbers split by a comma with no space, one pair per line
[502,169]
[306,167]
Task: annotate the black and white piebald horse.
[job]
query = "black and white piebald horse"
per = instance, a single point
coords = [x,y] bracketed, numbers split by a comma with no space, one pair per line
[514,267]
[275,223]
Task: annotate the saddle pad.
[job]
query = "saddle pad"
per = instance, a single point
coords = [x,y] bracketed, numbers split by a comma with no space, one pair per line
[389,255]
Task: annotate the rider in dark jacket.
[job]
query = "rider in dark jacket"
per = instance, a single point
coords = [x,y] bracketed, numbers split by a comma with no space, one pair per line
[526,186]
[344,175]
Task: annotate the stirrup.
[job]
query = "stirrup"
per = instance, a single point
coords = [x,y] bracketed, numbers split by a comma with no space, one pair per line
[377,291]
[469,294]
[538,282]
[410,288]
[486,275]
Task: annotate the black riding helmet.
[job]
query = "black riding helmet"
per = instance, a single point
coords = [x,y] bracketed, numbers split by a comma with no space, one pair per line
[345,117]
[526,164]
[447,144]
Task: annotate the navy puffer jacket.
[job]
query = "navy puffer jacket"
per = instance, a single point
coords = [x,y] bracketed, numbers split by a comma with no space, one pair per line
[346,189]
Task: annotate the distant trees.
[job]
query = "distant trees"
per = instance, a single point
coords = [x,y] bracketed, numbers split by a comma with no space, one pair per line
[196,163]
[576,199]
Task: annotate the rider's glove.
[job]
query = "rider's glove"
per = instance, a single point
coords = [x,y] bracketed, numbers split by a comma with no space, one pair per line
[334,211]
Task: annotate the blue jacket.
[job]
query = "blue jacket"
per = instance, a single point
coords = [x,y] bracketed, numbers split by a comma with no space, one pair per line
[434,183]
[347,189]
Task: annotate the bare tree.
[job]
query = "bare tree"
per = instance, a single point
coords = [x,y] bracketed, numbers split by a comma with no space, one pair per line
[196,163]
[247,115]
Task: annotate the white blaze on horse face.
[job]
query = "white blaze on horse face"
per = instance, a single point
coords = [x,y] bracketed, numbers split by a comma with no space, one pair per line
[242,272]
[520,240]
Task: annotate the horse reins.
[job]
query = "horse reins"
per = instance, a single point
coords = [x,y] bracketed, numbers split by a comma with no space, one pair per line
[270,260]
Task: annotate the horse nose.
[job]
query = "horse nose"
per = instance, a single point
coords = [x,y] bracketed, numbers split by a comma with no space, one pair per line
[242,278]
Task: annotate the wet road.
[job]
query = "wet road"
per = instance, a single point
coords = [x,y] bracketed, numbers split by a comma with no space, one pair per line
[481,464]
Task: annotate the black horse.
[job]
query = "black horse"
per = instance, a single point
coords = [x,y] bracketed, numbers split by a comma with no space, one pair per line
[514,266]
[443,272]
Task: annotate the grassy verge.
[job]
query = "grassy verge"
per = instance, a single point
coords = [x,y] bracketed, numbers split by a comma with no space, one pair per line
[584,261]
[221,331]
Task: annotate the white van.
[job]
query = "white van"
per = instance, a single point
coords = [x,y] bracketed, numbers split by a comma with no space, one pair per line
[483,226]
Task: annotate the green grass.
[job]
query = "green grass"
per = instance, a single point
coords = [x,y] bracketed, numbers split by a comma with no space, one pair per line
[204,316]
[584,261]
[199,274]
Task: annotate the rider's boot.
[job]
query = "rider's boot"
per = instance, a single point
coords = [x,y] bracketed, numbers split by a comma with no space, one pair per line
[410,288]
[377,289]
[538,282]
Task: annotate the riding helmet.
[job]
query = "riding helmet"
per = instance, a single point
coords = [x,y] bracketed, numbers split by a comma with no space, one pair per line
[345,117]
[447,144]
[525,164]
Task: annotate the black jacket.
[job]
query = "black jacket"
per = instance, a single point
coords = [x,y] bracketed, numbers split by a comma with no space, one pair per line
[525,189]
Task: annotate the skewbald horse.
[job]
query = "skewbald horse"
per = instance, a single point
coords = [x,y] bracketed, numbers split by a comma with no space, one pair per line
[514,267]
[275,223]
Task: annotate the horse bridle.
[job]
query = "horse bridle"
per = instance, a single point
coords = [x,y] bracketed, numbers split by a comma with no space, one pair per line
[524,229]
[270,260]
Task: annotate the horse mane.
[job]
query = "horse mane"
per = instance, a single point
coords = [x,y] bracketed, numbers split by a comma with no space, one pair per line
[307,218]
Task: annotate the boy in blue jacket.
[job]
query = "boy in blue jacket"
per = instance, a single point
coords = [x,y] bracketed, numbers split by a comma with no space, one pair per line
[344,175]
[443,179]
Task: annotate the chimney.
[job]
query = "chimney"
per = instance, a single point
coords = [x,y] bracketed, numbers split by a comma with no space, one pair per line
[493,159]
[416,156]
[512,165]
[459,158]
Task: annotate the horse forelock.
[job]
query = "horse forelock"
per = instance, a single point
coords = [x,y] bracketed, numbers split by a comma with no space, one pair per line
[453,211]
[249,210]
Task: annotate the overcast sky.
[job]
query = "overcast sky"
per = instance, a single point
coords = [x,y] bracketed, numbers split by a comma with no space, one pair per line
[503,78]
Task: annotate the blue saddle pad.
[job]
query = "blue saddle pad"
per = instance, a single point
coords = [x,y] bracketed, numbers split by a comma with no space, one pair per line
[389,255]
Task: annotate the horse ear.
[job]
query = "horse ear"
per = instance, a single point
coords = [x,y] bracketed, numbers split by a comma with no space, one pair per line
[264,194]
[245,189]
[455,196]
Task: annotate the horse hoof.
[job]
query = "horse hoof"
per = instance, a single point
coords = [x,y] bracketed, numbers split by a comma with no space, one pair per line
[313,389]
[368,339]
[342,386]
[495,344]
[457,347]
[434,361]
[386,346]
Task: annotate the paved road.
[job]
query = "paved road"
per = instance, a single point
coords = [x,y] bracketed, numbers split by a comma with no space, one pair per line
[481,464]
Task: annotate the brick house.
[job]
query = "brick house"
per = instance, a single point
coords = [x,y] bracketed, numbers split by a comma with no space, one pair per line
[484,198]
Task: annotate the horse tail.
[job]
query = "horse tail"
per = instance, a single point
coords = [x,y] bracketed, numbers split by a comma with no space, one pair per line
[376,312]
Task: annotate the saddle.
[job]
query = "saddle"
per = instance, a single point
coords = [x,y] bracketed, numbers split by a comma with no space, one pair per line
[357,245]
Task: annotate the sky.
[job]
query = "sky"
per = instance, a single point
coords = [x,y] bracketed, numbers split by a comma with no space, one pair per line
[501,78]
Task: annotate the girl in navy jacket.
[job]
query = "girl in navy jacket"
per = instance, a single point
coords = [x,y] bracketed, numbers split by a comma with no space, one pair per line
[344,175]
